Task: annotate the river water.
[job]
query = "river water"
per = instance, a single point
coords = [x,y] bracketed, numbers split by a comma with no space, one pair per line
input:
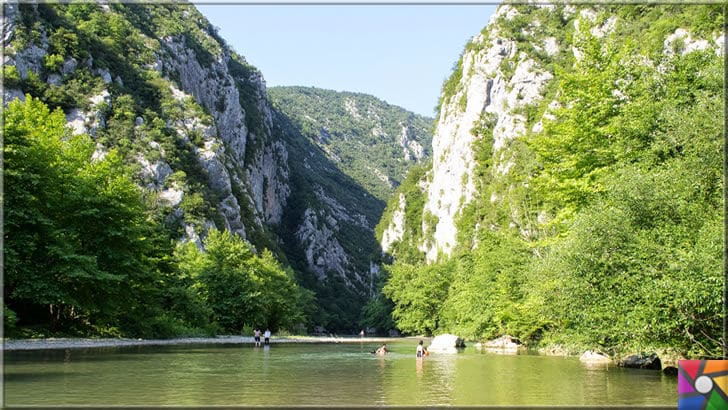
[318,374]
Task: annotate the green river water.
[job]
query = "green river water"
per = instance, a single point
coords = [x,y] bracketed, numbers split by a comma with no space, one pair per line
[318,374]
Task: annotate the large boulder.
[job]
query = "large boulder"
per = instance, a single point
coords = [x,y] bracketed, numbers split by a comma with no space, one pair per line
[446,343]
[642,361]
[669,358]
[504,344]
[592,357]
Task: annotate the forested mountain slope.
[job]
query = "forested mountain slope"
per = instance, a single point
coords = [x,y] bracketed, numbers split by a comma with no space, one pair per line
[575,195]
[157,101]
[371,141]
[350,149]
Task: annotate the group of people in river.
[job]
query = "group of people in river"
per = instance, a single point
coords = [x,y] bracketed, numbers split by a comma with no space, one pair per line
[420,352]
[256,337]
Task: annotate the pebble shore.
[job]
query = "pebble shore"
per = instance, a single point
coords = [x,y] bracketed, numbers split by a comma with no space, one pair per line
[72,343]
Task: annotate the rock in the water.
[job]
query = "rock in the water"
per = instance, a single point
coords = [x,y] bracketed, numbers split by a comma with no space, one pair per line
[504,344]
[592,357]
[642,361]
[446,343]
[670,371]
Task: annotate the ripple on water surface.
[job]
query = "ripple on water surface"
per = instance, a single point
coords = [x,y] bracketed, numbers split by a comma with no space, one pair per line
[317,374]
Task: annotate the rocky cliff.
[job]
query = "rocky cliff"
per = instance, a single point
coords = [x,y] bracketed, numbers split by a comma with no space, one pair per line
[504,87]
[373,142]
[575,196]
[192,118]
[333,215]
[178,95]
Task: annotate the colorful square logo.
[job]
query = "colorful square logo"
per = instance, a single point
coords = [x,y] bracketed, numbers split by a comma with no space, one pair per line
[702,385]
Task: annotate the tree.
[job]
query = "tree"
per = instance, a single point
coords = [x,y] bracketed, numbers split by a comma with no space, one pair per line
[418,293]
[75,228]
[242,288]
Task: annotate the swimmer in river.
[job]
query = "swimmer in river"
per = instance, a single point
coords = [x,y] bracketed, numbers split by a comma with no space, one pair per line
[381,351]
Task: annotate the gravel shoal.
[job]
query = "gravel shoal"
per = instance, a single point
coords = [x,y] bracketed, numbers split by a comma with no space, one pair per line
[71,343]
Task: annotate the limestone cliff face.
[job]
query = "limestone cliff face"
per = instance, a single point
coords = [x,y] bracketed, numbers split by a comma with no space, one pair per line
[351,150]
[264,175]
[243,180]
[395,230]
[193,119]
[504,77]
[318,234]
[483,89]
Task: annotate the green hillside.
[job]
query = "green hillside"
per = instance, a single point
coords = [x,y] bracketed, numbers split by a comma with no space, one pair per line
[373,142]
[606,230]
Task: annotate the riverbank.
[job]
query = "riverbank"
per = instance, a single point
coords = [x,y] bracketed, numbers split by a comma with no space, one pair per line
[75,343]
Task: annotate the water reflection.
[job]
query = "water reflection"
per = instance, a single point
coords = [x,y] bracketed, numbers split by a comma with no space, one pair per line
[442,380]
[312,375]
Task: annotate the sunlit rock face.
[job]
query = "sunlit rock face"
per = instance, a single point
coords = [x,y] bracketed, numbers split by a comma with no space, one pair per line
[500,77]
[242,181]
[264,177]
[483,89]
[395,229]
[446,343]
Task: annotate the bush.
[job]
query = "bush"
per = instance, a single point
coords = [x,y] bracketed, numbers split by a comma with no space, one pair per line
[10,320]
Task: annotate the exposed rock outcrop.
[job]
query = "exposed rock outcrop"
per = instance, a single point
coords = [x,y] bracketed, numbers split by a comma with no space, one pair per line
[592,357]
[483,89]
[504,344]
[641,361]
[216,108]
[395,229]
[446,343]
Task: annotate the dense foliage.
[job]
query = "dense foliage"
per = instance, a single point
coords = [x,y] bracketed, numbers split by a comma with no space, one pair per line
[137,112]
[242,288]
[412,191]
[68,269]
[362,134]
[608,228]
[84,256]
[114,68]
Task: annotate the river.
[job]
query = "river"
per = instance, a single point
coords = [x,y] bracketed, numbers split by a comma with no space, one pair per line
[318,374]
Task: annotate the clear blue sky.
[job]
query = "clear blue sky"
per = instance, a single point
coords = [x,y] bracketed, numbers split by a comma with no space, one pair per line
[399,53]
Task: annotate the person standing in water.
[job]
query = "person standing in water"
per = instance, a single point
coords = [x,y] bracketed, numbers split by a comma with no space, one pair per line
[266,335]
[256,336]
[421,350]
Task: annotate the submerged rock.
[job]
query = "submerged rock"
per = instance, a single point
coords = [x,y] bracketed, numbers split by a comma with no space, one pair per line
[670,371]
[555,350]
[503,342]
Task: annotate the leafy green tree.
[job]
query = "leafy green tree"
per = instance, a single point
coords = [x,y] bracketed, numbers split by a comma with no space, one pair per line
[239,287]
[641,266]
[282,302]
[418,293]
[377,314]
[226,281]
[606,231]
[75,229]
[486,293]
